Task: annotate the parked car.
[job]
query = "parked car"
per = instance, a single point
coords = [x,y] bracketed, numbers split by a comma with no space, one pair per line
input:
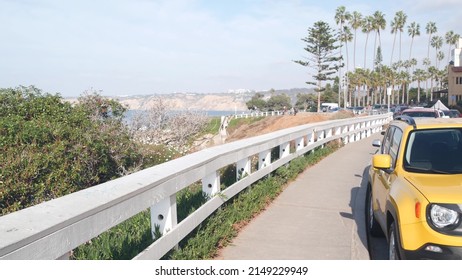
[450,113]
[454,113]
[423,113]
[399,109]
[414,191]
[356,110]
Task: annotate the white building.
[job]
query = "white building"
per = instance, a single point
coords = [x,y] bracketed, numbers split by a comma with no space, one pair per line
[455,75]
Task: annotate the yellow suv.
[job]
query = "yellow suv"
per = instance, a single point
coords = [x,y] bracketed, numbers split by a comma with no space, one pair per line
[414,193]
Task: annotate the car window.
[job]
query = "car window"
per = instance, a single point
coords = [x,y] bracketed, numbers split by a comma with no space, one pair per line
[421,114]
[395,144]
[387,140]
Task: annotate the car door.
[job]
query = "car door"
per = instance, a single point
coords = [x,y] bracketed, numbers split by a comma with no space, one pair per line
[384,180]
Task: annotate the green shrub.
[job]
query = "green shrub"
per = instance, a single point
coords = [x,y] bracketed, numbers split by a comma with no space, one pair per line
[50,147]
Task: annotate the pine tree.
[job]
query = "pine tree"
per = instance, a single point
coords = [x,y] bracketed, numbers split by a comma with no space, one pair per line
[324,59]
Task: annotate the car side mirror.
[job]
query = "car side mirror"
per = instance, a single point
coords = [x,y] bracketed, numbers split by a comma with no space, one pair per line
[382,162]
[376,143]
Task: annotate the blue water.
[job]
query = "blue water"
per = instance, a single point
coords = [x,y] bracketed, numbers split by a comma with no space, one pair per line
[130,113]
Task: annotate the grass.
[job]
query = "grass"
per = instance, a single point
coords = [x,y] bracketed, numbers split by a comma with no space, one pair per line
[213,126]
[235,123]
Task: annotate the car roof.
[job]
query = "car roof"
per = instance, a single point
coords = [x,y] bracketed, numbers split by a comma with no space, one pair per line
[425,123]
[420,110]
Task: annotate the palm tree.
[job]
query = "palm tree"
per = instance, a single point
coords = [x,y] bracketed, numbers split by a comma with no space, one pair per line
[402,17]
[341,17]
[439,57]
[431,29]
[442,78]
[367,28]
[383,82]
[413,30]
[378,23]
[394,29]
[356,21]
[419,75]
[409,64]
[364,79]
[404,78]
[432,71]
[375,83]
[397,25]
[426,62]
[353,82]
[345,37]
[451,40]
[396,77]
[437,43]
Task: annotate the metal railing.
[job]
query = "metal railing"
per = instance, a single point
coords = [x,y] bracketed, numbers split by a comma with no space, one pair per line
[52,229]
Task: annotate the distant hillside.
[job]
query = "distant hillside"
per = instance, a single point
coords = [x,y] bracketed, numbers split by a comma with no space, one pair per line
[201,101]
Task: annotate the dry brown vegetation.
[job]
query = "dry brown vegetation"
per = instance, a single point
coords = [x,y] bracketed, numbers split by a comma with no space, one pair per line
[270,124]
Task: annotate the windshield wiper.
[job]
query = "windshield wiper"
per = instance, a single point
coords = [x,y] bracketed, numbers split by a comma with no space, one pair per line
[426,170]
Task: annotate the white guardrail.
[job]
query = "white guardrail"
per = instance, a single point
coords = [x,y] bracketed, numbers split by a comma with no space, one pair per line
[254,114]
[54,228]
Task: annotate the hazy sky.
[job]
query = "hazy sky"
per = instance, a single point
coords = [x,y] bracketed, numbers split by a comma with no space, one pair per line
[126,47]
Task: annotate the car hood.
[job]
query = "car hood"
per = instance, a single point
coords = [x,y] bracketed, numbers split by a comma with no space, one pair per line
[438,188]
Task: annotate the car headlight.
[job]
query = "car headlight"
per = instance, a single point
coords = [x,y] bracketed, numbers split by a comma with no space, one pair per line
[443,217]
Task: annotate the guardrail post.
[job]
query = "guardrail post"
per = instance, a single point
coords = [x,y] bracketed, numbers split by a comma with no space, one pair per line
[363,130]
[310,138]
[242,168]
[369,129]
[300,142]
[264,159]
[345,131]
[320,135]
[328,133]
[211,184]
[351,135]
[374,128]
[163,216]
[358,131]
[337,130]
[284,150]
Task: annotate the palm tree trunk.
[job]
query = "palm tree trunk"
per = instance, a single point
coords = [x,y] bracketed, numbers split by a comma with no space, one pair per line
[403,88]
[365,50]
[418,91]
[431,89]
[392,50]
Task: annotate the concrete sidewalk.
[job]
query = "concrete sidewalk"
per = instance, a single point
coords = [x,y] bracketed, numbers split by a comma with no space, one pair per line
[319,216]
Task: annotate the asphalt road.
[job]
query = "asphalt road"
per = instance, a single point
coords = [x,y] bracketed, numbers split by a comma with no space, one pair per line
[319,216]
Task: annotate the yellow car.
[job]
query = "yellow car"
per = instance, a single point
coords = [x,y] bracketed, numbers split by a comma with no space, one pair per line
[414,193]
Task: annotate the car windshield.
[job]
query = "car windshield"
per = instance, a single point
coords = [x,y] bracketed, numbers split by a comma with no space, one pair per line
[437,151]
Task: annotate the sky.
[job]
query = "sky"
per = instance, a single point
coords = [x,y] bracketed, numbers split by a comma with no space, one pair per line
[142,47]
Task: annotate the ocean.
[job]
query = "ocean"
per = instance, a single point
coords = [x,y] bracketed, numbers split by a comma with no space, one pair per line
[131,113]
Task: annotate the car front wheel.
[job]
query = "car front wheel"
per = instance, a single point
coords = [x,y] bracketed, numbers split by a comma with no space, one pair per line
[393,243]
[372,226]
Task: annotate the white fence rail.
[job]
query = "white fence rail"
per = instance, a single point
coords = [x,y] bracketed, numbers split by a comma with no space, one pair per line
[254,114]
[52,229]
